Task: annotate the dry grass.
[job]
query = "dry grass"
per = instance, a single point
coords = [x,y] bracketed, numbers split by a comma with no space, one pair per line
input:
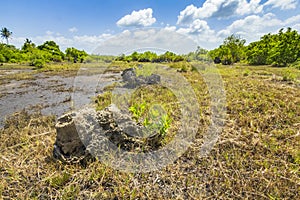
[256,157]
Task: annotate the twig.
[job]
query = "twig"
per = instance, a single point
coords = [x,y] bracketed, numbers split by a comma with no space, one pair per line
[32,136]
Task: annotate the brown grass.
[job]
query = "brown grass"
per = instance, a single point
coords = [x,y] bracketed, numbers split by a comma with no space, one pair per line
[256,157]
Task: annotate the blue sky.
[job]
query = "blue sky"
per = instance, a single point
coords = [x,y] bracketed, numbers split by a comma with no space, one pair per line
[88,24]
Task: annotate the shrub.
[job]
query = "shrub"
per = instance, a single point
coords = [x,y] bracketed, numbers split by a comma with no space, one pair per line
[246,72]
[13,60]
[288,75]
[2,59]
[38,63]
[296,64]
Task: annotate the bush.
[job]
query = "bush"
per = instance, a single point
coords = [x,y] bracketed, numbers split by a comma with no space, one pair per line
[2,59]
[13,60]
[296,64]
[288,75]
[38,63]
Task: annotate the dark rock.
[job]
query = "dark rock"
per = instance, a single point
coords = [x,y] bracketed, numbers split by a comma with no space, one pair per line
[217,60]
[132,81]
[153,79]
[85,133]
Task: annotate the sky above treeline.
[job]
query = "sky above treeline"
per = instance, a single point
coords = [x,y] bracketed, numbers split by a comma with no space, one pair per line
[106,27]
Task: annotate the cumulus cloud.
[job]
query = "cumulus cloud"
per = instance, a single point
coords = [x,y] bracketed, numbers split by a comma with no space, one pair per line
[253,27]
[197,27]
[200,32]
[253,6]
[138,19]
[148,39]
[283,5]
[219,9]
[73,29]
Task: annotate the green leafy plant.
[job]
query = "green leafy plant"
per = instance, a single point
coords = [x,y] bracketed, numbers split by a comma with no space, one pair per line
[246,72]
[155,120]
[137,110]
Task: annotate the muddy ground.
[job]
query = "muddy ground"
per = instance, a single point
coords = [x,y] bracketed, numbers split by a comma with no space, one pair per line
[53,94]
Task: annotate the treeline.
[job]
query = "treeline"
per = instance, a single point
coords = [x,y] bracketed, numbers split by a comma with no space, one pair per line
[39,55]
[278,49]
[149,56]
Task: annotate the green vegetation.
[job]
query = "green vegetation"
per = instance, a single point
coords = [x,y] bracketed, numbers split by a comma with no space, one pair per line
[75,55]
[38,56]
[231,51]
[279,49]
[5,33]
[151,57]
[156,108]
[200,55]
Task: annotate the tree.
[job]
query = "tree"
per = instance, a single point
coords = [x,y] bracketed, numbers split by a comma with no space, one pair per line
[286,49]
[231,51]
[278,49]
[5,33]
[28,45]
[75,55]
[53,50]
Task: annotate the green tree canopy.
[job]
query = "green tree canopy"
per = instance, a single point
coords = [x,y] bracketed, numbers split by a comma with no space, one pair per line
[6,34]
[53,49]
[231,51]
[277,49]
[28,45]
[75,55]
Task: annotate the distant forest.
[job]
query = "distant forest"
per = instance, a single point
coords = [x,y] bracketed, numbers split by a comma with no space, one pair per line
[280,49]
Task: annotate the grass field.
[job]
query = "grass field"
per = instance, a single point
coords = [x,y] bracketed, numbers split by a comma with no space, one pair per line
[257,155]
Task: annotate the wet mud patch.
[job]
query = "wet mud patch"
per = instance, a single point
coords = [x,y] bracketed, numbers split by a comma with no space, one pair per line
[52,93]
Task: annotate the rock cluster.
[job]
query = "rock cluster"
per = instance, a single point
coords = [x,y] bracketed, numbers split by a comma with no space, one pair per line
[133,81]
[86,133]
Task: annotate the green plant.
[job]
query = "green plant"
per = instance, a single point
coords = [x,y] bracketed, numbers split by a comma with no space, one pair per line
[137,110]
[60,180]
[288,75]
[155,120]
[246,72]
[38,63]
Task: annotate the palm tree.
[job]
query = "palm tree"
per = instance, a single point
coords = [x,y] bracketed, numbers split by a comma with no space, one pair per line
[5,33]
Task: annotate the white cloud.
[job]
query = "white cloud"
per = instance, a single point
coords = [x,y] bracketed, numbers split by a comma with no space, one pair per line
[253,6]
[170,28]
[282,4]
[219,9]
[73,29]
[148,39]
[138,19]
[293,20]
[201,33]
[197,27]
[253,27]
[49,32]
